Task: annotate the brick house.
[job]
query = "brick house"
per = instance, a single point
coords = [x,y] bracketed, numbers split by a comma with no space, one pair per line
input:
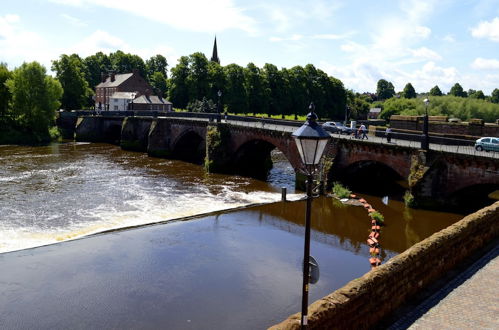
[112,83]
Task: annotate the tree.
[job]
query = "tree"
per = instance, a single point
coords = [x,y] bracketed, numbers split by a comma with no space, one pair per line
[95,65]
[157,63]
[494,97]
[197,79]
[384,89]
[457,90]
[35,98]
[159,83]
[409,92]
[358,105]
[255,89]
[235,96]
[298,90]
[435,91]
[70,73]
[124,63]
[275,88]
[5,74]
[474,94]
[179,90]
[216,81]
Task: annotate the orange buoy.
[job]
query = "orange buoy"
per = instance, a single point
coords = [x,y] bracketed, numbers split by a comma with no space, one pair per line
[373,222]
[362,200]
[374,250]
[374,261]
[376,227]
[367,206]
[371,210]
[353,196]
[374,234]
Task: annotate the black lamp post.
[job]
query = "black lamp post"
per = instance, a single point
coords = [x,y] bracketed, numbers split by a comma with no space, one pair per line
[219,93]
[311,141]
[347,110]
[425,142]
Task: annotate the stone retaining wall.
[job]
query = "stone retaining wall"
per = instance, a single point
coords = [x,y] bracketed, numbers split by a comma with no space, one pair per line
[365,301]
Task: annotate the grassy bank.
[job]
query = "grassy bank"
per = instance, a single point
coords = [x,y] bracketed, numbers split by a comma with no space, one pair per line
[10,135]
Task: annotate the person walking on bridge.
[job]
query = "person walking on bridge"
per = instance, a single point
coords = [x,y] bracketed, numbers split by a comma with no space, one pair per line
[363,130]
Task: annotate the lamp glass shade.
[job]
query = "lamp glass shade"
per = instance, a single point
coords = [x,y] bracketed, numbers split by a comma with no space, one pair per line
[311,150]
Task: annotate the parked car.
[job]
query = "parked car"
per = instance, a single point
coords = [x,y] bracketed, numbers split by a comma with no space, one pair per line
[487,144]
[336,127]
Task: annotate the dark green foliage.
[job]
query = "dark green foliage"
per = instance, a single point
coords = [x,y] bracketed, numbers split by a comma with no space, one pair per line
[340,191]
[179,89]
[435,91]
[235,96]
[197,80]
[156,63]
[494,98]
[476,94]
[358,105]
[205,106]
[70,71]
[457,90]
[124,63]
[409,92]
[254,84]
[95,65]
[4,91]
[35,98]
[159,83]
[384,89]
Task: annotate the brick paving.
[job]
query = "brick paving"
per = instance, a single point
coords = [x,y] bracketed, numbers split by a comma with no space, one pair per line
[469,301]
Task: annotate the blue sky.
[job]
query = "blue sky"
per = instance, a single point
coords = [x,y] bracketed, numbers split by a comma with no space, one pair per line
[425,42]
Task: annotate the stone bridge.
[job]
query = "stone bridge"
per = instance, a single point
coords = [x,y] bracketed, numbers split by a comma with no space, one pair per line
[432,178]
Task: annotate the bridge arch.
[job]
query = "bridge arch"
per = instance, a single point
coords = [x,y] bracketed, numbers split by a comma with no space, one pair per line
[473,197]
[189,146]
[370,176]
[253,158]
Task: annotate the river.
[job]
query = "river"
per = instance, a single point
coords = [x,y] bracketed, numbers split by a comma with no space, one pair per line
[232,269]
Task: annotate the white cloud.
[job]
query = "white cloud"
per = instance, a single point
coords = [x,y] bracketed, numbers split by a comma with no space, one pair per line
[332,36]
[425,53]
[488,30]
[485,64]
[294,37]
[193,15]
[449,38]
[73,20]
[18,45]
[99,41]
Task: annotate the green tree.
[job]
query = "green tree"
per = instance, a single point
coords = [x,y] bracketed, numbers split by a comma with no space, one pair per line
[457,90]
[494,97]
[70,73]
[216,81]
[124,63]
[358,105]
[275,86]
[435,91]
[5,74]
[95,66]
[197,79]
[156,63]
[179,90]
[35,98]
[474,94]
[384,89]
[409,92]
[298,90]
[254,85]
[235,95]
[159,83]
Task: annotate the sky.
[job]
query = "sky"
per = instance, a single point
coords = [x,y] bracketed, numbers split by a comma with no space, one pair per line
[424,42]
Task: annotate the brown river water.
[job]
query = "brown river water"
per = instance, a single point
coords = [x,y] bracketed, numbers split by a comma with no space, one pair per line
[237,269]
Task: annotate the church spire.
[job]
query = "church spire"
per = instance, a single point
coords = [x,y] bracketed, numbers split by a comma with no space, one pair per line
[214,57]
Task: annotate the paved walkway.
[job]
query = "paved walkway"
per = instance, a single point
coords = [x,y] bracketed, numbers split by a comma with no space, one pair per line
[469,301]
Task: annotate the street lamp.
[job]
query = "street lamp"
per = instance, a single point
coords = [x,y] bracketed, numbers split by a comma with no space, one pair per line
[347,110]
[311,141]
[425,142]
[219,93]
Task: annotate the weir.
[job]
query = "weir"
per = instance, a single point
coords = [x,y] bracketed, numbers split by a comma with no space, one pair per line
[240,145]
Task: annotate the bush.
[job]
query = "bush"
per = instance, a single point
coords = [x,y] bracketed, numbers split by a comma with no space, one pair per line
[408,199]
[378,217]
[340,191]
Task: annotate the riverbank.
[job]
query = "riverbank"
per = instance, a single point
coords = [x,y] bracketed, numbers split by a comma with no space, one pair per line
[10,135]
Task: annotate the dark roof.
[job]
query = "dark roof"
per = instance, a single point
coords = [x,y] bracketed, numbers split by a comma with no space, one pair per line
[214,57]
[118,80]
[151,99]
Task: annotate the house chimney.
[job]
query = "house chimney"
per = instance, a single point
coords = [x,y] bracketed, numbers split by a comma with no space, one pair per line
[113,76]
[103,77]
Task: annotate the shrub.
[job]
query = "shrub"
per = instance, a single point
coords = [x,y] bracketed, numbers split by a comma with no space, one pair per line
[340,191]
[408,198]
[378,216]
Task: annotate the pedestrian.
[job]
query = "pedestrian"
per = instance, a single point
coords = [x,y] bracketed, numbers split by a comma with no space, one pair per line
[363,130]
[388,134]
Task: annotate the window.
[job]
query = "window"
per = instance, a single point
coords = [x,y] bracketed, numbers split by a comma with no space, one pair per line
[116,107]
[495,141]
[486,140]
